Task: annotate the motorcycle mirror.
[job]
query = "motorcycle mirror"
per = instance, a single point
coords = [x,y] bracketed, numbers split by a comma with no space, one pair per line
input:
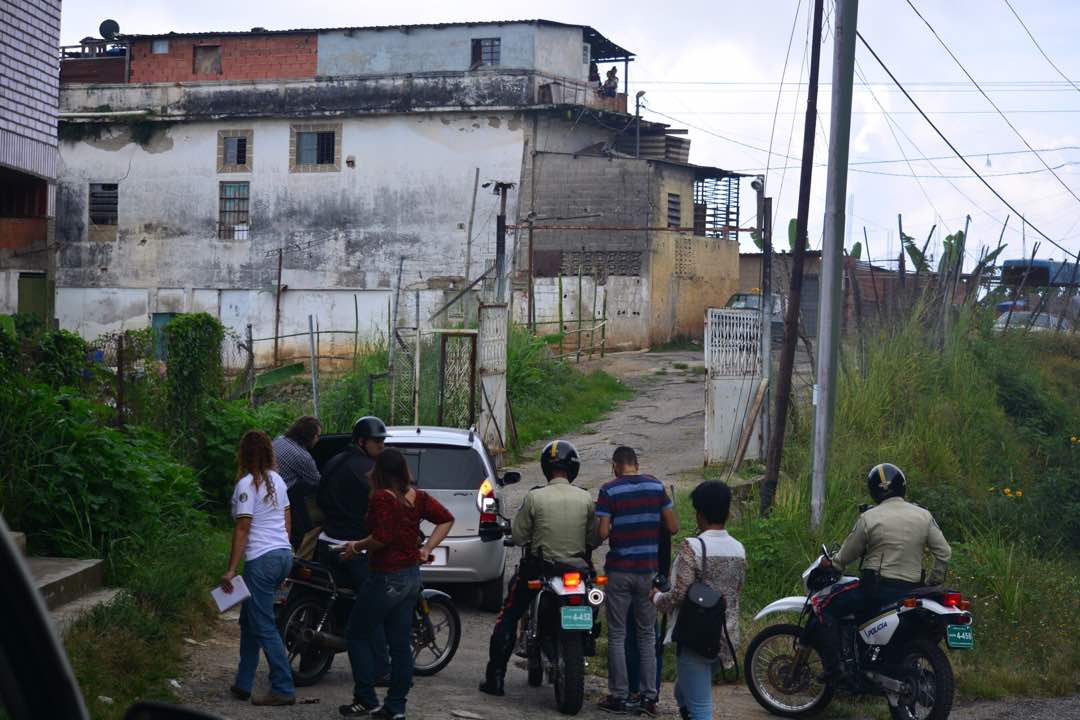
[825,552]
[510,477]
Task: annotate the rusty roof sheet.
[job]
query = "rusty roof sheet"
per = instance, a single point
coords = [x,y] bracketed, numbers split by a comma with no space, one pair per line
[602,48]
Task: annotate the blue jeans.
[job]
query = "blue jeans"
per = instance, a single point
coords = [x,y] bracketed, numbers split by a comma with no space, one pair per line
[354,629]
[258,627]
[693,687]
[633,657]
[389,605]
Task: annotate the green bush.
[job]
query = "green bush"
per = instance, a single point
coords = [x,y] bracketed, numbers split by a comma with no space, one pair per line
[194,377]
[225,423]
[346,398]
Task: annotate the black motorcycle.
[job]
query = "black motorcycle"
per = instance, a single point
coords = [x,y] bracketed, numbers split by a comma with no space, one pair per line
[314,609]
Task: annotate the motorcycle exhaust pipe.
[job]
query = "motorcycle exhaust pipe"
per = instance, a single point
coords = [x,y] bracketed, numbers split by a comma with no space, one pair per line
[322,639]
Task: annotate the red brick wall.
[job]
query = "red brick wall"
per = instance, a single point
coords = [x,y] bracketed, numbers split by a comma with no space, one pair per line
[243,57]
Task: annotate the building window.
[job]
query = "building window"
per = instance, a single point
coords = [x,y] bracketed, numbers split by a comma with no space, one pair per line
[103,215]
[586,54]
[485,51]
[234,151]
[233,198]
[206,60]
[674,210]
[315,148]
[159,47]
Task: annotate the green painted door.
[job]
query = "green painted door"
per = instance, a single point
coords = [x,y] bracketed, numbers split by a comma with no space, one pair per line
[34,296]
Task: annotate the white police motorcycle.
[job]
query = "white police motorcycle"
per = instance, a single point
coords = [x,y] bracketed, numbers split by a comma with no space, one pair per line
[895,653]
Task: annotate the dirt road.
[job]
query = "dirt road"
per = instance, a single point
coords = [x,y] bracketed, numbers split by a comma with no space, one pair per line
[663,421]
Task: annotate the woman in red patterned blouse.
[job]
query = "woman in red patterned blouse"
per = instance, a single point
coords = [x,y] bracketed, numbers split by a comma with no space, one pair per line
[394,514]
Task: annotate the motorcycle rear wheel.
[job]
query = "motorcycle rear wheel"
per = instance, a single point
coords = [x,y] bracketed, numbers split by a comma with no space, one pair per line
[932,698]
[309,662]
[768,662]
[570,672]
[435,638]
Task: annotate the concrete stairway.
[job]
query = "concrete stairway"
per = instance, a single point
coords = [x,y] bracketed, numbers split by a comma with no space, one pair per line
[69,587]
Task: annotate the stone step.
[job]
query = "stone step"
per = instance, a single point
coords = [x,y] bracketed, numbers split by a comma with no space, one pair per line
[19,539]
[62,580]
[65,615]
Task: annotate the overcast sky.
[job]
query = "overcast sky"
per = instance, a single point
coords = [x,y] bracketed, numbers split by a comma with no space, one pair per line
[714,67]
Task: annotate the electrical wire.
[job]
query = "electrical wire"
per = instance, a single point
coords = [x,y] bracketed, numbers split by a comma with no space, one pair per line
[794,116]
[1039,47]
[783,74]
[952,147]
[989,100]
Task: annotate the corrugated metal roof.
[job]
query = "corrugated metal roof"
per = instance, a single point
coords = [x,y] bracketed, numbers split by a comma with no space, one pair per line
[603,49]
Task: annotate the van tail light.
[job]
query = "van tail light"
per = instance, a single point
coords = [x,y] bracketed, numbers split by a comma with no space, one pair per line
[952,599]
[534,584]
[486,503]
[571,579]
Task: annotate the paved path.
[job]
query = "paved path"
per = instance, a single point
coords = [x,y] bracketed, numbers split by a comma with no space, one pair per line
[664,422]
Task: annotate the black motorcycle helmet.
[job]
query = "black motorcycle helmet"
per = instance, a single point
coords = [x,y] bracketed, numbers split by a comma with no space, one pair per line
[560,455]
[886,481]
[368,427]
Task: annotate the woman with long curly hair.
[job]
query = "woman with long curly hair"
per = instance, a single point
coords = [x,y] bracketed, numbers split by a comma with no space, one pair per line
[260,507]
[395,512]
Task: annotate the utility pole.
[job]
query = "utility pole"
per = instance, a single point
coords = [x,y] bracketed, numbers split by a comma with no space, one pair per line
[500,189]
[847,12]
[765,283]
[791,318]
[637,123]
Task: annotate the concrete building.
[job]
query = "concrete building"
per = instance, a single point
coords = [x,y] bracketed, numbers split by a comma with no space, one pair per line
[266,175]
[29,34]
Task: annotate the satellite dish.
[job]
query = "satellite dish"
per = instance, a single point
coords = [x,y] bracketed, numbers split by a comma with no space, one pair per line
[109,29]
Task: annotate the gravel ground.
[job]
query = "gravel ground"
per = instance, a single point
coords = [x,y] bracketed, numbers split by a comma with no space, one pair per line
[664,422]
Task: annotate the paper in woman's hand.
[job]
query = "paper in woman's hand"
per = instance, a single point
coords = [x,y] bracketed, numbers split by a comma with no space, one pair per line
[226,600]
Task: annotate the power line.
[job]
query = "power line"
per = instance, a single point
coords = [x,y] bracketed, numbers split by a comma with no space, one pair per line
[952,147]
[794,116]
[1039,47]
[997,153]
[1015,111]
[783,74]
[992,103]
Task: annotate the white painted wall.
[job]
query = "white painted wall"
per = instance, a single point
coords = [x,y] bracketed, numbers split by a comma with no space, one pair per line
[627,308]
[9,292]
[408,194]
[559,52]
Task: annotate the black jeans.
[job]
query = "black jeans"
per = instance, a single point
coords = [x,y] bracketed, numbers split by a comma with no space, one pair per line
[504,634]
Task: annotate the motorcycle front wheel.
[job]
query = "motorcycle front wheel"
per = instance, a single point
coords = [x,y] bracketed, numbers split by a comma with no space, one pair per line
[435,635]
[773,679]
[930,676]
[308,660]
[570,672]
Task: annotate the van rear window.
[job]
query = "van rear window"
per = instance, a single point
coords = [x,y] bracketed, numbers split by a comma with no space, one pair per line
[444,468]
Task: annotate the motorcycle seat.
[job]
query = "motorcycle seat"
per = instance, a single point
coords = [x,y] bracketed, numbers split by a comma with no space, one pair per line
[558,567]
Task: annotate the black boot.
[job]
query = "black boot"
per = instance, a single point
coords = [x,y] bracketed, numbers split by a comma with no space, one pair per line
[827,642]
[499,651]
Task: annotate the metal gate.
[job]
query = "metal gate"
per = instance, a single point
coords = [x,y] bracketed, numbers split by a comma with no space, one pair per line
[733,364]
[457,378]
[492,372]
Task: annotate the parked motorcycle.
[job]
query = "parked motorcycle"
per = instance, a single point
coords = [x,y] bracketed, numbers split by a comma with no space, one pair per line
[897,653]
[314,610]
[560,629]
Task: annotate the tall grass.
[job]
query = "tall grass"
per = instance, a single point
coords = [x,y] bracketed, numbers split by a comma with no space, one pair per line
[982,424]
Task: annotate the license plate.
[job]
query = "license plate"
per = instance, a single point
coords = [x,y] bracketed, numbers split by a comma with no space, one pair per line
[960,637]
[577,618]
[439,557]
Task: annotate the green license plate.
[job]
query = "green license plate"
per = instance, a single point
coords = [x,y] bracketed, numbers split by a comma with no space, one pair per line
[960,637]
[577,618]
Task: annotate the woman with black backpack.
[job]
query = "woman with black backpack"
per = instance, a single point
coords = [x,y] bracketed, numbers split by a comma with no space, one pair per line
[708,574]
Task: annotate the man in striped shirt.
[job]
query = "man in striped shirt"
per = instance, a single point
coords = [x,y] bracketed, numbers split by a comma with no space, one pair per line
[632,509]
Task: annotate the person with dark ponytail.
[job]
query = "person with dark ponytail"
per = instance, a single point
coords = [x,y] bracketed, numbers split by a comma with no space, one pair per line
[394,515]
[260,507]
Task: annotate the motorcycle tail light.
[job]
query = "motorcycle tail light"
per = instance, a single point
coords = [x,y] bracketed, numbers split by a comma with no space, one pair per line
[962,620]
[571,579]
[601,580]
[952,599]
[910,602]
[963,605]
[534,584]
[305,573]
[575,600]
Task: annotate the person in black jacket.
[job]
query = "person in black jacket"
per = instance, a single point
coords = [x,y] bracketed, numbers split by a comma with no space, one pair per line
[343,499]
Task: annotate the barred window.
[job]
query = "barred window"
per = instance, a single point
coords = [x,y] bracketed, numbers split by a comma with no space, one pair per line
[235,151]
[674,210]
[233,216]
[104,199]
[315,148]
[486,51]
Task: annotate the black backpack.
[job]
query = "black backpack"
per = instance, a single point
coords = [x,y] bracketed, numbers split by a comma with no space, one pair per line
[702,622]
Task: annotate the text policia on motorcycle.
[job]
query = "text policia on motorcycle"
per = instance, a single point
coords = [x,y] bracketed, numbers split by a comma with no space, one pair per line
[880,634]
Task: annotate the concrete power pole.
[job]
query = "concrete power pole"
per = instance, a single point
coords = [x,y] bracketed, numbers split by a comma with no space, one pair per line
[833,249]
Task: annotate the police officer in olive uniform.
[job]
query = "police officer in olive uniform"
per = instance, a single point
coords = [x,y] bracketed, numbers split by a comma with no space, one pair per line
[556,522]
[888,542]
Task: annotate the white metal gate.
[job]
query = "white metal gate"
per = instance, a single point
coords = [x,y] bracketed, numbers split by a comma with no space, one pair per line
[492,370]
[733,362]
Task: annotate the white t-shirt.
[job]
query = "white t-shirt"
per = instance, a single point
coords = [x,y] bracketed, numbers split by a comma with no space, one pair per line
[267,515]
